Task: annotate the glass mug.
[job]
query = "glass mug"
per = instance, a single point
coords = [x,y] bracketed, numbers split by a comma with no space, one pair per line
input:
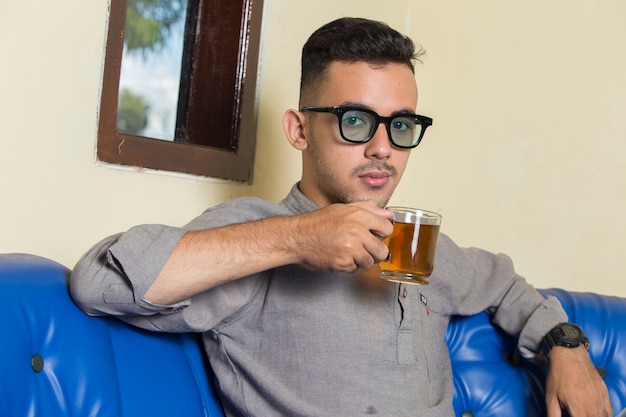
[412,246]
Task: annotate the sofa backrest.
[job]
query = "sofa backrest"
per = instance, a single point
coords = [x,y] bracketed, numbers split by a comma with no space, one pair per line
[56,361]
[490,378]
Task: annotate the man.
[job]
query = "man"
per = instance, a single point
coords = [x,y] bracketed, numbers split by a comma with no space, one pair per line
[295,320]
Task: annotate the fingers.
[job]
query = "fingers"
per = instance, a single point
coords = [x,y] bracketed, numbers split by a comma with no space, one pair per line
[374,208]
[381,226]
[345,237]
[553,408]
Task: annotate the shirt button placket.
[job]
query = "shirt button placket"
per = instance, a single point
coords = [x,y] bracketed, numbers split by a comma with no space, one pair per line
[406,347]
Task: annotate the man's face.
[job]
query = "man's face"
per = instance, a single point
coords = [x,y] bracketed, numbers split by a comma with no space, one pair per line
[336,171]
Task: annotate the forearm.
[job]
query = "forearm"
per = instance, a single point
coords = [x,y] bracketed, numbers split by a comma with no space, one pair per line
[338,238]
[153,268]
[207,258]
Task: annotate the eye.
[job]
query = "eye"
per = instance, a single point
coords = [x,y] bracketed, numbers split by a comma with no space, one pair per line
[402,124]
[356,119]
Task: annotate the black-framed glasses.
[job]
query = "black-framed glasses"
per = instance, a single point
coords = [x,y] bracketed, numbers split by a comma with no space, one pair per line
[358,125]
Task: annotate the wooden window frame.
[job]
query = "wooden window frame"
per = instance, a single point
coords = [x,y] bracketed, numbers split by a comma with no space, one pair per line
[223,85]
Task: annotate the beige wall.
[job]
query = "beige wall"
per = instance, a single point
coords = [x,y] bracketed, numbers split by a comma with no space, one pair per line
[526,156]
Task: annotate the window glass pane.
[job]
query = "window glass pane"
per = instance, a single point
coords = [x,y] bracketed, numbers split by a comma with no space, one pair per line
[151,67]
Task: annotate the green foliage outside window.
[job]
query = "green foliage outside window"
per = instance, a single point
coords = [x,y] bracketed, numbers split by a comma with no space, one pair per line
[132,112]
[148,24]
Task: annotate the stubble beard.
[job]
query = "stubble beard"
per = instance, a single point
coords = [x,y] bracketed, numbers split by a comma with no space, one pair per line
[380,195]
[341,192]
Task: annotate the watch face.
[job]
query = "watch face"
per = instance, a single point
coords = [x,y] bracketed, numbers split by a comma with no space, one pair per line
[566,335]
[571,331]
[570,335]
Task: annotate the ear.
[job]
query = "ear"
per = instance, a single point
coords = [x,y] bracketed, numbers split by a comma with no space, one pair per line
[295,126]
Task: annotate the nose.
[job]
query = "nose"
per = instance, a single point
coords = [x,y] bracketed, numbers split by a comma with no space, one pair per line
[379,147]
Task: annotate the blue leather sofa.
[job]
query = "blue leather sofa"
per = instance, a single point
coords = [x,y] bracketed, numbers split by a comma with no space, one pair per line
[56,361]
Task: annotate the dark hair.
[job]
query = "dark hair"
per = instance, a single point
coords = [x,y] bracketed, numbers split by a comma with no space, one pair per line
[352,40]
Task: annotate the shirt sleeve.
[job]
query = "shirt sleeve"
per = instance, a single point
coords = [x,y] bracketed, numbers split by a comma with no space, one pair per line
[114,275]
[474,280]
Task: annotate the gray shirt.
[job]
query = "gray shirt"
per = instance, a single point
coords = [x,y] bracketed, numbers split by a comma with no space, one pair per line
[296,342]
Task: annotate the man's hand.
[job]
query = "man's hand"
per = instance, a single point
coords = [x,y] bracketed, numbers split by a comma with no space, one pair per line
[574,384]
[343,237]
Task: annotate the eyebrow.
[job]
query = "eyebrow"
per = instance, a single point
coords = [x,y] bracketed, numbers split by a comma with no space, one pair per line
[363,106]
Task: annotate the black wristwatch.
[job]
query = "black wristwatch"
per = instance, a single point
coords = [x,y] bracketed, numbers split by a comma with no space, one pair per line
[564,334]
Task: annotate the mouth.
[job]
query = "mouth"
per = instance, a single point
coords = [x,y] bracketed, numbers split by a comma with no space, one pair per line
[375,179]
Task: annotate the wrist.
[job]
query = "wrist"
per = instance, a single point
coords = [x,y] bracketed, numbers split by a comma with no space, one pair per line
[564,335]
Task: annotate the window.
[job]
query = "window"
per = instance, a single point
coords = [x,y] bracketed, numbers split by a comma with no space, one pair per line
[208,126]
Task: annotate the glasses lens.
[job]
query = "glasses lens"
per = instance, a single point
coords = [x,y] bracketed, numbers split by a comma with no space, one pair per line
[357,126]
[405,131]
